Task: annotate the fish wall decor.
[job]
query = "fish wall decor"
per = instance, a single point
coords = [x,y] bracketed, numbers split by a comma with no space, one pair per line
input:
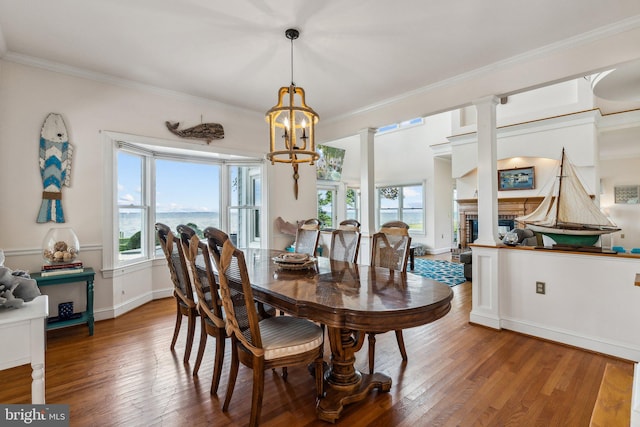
[55,167]
[206,131]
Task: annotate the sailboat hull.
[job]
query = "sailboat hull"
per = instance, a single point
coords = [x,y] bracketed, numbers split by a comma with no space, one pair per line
[575,237]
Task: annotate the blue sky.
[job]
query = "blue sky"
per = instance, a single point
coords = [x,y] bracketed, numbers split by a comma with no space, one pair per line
[180,186]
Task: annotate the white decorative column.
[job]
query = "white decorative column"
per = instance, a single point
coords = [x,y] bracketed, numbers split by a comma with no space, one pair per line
[485,308]
[367,192]
[487,172]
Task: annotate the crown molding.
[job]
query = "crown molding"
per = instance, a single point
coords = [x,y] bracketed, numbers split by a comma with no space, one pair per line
[617,121]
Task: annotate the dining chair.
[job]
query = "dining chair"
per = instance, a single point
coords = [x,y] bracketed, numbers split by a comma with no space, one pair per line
[212,321]
[269,343]
[186,303]
[390,249]
[345,241]
[307,237]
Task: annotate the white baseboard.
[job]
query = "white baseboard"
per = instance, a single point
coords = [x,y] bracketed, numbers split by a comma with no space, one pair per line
[438,251]
[163,293]
[484,320]
[616,349]
[125,307]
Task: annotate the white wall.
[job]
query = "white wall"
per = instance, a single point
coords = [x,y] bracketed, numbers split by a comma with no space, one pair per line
[590,301]
[542,138]
[282,202]
[439,208]
[548,101]
[28,94]
[621,172]
[405,156]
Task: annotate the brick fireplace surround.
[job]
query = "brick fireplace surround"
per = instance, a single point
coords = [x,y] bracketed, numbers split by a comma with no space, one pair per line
[508,209]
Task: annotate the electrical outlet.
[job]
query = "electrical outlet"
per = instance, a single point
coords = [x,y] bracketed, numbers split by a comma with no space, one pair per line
[541,287]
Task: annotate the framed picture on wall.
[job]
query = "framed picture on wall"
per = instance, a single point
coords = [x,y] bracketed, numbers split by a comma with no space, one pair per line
[516,179]
[329,165]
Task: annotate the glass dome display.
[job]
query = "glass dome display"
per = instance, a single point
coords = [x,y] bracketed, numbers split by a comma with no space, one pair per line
[60,245]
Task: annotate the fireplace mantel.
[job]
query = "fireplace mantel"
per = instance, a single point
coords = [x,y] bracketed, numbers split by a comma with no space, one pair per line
[508,208]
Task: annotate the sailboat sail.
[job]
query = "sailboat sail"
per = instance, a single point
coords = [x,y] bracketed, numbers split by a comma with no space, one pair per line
[568,208]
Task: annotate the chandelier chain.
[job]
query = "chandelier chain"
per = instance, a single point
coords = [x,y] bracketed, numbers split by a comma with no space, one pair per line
[292,83]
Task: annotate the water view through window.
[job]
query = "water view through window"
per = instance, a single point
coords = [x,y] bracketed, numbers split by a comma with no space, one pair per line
[187,193]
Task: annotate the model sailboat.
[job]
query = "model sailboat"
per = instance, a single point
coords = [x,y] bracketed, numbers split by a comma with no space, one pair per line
[567,214]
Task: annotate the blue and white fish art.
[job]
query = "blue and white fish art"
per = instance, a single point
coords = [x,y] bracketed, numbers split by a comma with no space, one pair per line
[55,167]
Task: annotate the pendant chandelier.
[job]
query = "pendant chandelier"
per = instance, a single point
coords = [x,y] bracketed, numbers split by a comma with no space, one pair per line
[292,121]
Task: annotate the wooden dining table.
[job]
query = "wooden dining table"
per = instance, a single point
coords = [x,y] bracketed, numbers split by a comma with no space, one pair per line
[350,299]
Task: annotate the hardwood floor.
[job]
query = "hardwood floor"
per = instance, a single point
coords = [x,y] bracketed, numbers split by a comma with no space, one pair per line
[457,375]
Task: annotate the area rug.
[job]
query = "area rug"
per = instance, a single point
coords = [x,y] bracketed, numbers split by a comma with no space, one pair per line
[449,273]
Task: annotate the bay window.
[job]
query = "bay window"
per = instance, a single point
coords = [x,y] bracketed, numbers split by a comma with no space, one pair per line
[177,186]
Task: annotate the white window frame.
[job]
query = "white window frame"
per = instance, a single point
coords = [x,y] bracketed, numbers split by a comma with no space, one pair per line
[112,144]
[252,206]
[400,208]
[146,195]
[334,206]
[357,207]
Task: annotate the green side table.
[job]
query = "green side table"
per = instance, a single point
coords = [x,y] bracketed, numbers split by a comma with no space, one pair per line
[86,276]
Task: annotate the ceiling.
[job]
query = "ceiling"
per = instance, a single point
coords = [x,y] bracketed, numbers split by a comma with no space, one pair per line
[350,54]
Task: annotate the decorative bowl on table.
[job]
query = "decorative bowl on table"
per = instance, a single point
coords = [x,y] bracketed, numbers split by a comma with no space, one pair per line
[294,261]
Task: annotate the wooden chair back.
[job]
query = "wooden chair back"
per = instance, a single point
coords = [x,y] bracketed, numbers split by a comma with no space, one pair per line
[177,264]
[390,246]
[345,241]
[307,237]
[235,290]
[204,280]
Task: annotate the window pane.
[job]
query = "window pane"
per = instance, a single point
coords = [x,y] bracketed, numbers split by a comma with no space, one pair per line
[131,233]
[245,196]
[352,203]
[187,193]
[244,227]
[325,208]
[129,179]
[132,212]
[245,185]
[412,212]
[389,202]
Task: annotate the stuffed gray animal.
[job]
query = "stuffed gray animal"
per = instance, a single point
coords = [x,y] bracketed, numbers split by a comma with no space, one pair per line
[16,287]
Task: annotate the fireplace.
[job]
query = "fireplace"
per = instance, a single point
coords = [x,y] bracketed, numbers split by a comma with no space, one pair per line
[505,223]
[508,210]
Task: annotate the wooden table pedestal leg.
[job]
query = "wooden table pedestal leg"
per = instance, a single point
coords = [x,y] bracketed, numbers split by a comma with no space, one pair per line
[343,384]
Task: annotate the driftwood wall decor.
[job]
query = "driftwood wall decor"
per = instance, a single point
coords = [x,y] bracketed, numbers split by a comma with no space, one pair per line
[205,131]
